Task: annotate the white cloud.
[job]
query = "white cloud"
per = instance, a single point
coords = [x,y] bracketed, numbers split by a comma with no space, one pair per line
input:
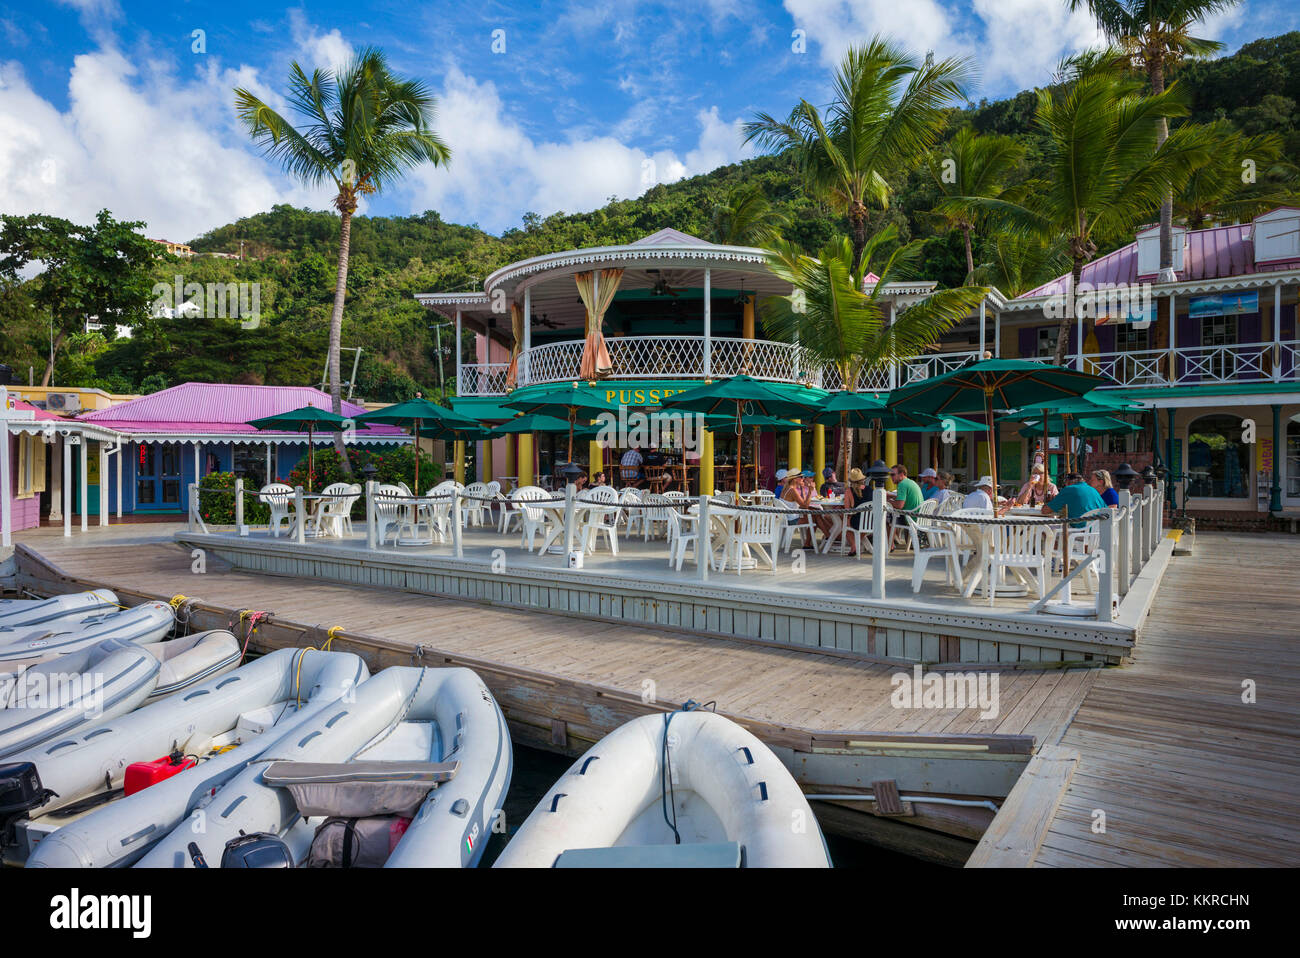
[144,144]
[498,172]
[919,25]
[1024,40]
[316,50]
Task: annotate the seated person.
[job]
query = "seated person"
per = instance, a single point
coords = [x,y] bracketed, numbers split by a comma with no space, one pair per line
[1038,490]
[629,468]
[830,485]
[798,492]
[1100,480]
[780,482]
[981,497]
[929,480]
[941,490]
[1075,500]
[907,494]
[855,494]
[600,479]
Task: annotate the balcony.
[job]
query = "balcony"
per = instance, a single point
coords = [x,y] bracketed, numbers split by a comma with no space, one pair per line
[683,357]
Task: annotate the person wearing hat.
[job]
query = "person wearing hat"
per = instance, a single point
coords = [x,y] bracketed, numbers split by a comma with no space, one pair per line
[780,481]
[855,494]
[982,495]
[798,492]
[929,480]
[830,485]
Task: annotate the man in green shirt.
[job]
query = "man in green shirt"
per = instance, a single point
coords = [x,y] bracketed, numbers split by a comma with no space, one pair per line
[908,495]
[1077,498]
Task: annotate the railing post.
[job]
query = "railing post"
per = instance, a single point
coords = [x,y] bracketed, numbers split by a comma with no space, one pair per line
[1147,512]
[192,499]
[1123,537]
[879,543]
[240,528]
[457,536]
[1106,570]
[299,516]
[372,539]
[703,544]
[570,494]
[1135,544]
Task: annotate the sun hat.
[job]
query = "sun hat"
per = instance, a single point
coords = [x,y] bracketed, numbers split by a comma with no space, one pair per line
[807,474]
[827,472]
[985,481]
[782,473]
[857,475]
[929,474]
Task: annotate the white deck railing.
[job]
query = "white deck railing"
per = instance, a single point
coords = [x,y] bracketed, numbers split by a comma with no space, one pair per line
[1198,365]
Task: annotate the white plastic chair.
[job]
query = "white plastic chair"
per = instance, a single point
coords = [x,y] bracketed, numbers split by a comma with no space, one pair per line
[472,509]
[494,493]
[532,521]
[683,530]
[941,542]
[389,511]
[279,497]
[1015,546]
[633,518]
[1083,543]
[601,520]
[861,537]
[654,515]
[762,497]
[803,521]
[758,530]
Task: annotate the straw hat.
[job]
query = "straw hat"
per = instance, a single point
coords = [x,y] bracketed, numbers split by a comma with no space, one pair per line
[857,475]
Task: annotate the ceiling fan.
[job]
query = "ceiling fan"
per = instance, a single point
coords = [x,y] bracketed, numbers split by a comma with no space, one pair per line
[661,286]
[549,324]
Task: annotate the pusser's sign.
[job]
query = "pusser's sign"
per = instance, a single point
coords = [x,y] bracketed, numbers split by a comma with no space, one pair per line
[638,395]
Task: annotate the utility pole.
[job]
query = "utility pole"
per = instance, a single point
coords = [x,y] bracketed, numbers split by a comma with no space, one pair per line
[437,335]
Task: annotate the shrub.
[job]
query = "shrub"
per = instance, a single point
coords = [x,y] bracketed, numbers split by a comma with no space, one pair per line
[217,501]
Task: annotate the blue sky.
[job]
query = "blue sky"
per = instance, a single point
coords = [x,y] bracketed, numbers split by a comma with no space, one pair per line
[121,104]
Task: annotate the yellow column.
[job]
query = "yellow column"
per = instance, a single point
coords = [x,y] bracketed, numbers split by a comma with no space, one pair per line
[747,319]
[510,456]
[891,454]
[819,449]
[595,459]
[485,464]
[706,463]
[525,459]
[459,453]
[796,449]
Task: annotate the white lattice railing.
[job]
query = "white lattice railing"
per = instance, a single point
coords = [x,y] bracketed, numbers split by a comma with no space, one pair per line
[1146,367]
[482,379]
[1198,365]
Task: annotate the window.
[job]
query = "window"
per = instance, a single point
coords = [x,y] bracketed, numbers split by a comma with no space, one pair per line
[1220,331]
[1293,458]
[1218,462]
[1129,338]
[1046,344]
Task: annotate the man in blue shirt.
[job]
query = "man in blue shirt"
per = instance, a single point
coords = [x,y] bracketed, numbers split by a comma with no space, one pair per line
[1075,500]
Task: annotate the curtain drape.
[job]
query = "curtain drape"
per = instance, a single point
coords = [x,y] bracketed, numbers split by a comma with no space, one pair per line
[517,329]
[596,290]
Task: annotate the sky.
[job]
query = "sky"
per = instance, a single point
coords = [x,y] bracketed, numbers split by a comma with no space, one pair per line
[547,106]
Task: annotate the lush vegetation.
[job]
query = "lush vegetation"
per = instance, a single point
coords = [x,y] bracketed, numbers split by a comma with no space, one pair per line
[292,253]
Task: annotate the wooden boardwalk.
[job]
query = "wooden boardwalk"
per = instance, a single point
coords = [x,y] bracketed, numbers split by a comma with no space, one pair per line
[1183,770]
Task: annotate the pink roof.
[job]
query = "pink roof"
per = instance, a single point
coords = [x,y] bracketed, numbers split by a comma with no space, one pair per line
[217,408]
[1216,253]
[40,413]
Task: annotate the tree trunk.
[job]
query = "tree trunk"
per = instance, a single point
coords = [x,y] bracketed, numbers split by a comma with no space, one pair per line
[970,260]
[54,351]
[1156,72]
[858,224]
[1063,332]
[336,335]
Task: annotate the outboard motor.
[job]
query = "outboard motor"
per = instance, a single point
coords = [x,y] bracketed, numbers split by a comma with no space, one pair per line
[258,850]
[20,792]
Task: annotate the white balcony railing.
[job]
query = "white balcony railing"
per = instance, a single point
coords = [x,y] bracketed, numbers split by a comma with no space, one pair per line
[683,357]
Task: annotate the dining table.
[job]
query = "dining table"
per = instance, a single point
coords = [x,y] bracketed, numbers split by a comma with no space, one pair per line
[980,537]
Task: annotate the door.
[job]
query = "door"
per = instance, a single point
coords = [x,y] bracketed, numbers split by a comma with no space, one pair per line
[158,477]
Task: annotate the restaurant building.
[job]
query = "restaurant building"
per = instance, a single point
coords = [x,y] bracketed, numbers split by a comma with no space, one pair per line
[1210,354]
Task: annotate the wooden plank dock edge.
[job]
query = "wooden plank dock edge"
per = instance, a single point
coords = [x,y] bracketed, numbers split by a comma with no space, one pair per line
[1018,829]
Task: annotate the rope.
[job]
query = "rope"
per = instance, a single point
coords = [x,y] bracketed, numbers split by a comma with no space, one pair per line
[667,794]
[254,619]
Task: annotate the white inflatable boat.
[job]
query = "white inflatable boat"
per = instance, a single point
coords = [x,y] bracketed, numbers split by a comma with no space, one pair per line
[103,681]
[720,798]
[30,613]
[190,659]
[427,742]
[147,622]
[70,806]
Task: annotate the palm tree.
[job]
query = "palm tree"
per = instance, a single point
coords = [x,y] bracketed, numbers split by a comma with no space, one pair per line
[747,218]
[973,165]
[1154,36]
[1219,190]
[1104,170]
[1016,264]
[829,313]
[364,128]
[886,113]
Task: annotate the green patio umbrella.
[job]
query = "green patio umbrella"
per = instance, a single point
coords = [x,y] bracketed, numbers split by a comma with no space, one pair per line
[993,384]
[850,410]
[306,419]
[743,395]
[563,400]
[414,413]
[757,423]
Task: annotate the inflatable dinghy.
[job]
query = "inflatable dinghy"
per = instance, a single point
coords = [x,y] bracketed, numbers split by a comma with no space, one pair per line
[147,622]
[722,799]
[106,680]
[31,613]
[431,743]
[191,659]
[75,814]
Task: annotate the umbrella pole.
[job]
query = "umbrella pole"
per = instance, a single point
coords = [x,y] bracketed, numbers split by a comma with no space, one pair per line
[844,518]
[993,449]
[416,424]
[740,445]
[1047,456]
[311,448]
[572,413]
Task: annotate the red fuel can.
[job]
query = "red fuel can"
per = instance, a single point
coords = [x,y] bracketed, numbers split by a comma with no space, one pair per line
[140,775]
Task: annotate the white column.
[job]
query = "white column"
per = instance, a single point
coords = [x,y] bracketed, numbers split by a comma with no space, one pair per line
[1277,349]
[457,349]
[997,334]
[67,485]
[103,483]
[196,462]
[6,505]
[1173,340]
[1078,359]
[879,543]
[708,324]
[56,480]
[121,445]
[85,481]
[525,374]
[983,332]
[270,477]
